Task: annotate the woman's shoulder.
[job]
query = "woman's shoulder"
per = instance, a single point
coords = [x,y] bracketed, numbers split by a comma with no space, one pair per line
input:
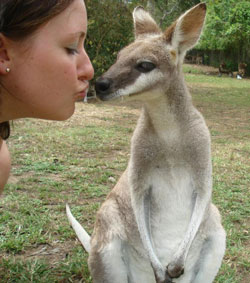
[5,164]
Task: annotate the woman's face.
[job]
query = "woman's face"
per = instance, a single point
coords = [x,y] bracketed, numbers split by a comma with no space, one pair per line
[50,71]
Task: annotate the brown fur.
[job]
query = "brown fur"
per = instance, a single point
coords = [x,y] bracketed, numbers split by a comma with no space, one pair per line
[145,27]
[169,32]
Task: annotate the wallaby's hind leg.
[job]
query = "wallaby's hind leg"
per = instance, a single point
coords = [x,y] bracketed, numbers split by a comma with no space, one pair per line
[107,265]
[211,257]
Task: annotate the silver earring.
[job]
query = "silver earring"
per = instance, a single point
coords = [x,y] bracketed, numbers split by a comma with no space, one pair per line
[7,70]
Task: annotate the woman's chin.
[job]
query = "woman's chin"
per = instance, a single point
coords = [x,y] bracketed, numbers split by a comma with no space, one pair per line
[65,115]
[59,115]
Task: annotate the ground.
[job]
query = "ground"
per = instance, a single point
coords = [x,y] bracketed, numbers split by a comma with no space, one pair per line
[79,161]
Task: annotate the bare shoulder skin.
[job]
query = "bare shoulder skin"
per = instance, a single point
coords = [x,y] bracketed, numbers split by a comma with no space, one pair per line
[5,165]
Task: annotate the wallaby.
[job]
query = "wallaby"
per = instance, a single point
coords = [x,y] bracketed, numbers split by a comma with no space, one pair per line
[158,223]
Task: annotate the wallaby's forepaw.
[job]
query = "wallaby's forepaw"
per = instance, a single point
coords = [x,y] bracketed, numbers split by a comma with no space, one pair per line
[175,270]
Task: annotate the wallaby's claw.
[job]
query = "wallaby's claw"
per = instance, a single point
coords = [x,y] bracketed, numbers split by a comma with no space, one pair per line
[167,278]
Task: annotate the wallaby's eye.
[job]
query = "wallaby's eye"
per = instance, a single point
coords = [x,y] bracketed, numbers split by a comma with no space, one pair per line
[145,67]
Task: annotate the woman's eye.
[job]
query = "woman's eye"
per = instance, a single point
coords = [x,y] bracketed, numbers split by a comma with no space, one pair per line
[72,51]
[145,67]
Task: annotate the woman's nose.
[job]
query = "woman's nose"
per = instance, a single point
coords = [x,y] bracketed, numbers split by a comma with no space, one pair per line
[85,68]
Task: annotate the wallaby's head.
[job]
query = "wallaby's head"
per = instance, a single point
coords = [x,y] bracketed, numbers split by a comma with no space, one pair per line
[151,62]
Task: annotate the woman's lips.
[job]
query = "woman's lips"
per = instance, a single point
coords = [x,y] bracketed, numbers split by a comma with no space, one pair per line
[82,93]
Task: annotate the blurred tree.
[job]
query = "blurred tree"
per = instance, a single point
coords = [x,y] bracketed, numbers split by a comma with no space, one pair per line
[227,27]
[109,30]
[110,26]
[166,11]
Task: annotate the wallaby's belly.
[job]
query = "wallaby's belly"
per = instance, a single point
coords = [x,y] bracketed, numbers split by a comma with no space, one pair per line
[172,201]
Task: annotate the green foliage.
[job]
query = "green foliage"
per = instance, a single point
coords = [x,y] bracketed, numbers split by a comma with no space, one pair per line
[109,30]
[167,11]
[110,26]
[227,25]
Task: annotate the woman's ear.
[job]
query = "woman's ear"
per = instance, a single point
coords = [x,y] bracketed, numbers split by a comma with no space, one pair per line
[4,58]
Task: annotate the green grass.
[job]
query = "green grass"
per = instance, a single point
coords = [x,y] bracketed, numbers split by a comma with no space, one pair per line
[78,161]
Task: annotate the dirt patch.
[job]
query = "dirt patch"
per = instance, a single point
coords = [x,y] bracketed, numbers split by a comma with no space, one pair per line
[203,69]
[52,253]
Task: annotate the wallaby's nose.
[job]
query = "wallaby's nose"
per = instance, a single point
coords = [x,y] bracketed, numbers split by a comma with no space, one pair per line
[102,86]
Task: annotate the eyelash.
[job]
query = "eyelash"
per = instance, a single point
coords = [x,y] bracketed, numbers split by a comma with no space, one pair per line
[72,51]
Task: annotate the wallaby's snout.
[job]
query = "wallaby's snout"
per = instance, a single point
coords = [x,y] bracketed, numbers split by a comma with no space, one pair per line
[103,87]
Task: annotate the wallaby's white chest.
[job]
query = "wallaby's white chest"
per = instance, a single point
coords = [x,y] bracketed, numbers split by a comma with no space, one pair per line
[171,205]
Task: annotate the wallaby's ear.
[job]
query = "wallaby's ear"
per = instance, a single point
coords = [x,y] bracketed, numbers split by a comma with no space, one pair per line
[143,22]
[185,32]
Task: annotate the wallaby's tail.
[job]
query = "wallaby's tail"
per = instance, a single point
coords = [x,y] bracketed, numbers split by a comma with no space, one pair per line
[82,235]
